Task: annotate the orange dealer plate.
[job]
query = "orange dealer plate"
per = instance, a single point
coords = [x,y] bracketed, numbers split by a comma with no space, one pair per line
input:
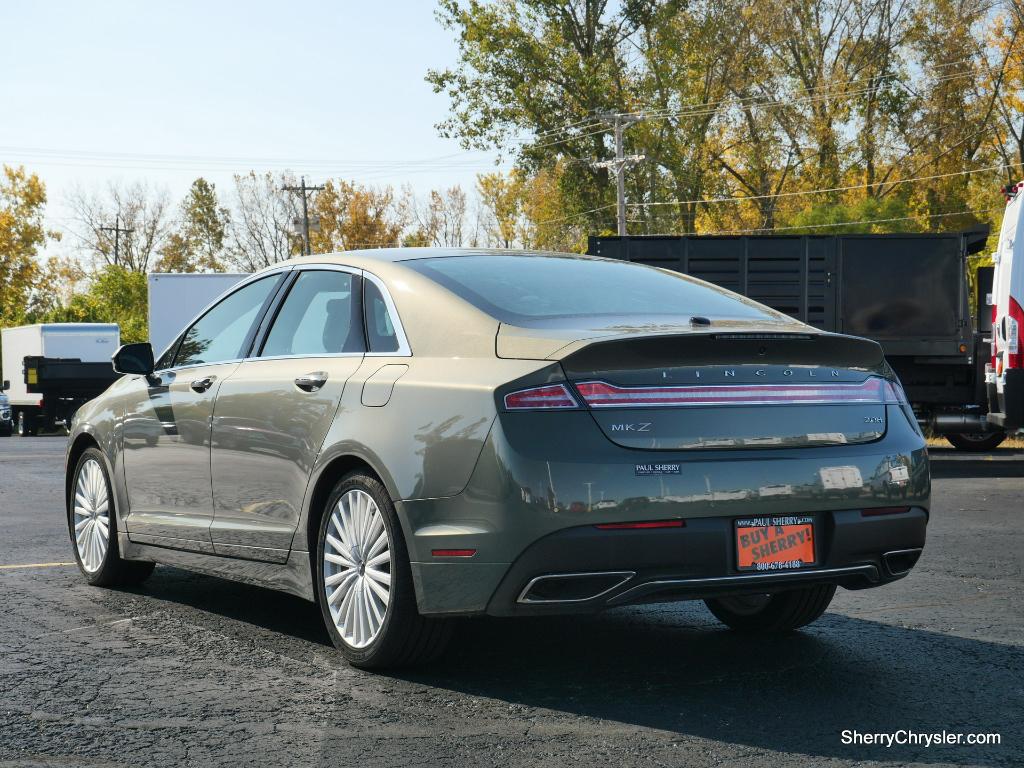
[775,543]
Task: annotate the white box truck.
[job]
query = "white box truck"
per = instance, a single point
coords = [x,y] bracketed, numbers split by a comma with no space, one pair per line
[49,370]
[175,298]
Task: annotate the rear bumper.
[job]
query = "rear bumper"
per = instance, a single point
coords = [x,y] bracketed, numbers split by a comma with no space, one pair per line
[536,494]
[1006,408]
[559,574]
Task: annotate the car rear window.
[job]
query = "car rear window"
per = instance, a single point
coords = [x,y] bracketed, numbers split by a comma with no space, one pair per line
[524,288]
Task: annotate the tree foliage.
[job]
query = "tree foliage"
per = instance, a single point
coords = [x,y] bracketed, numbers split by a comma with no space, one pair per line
[22,234]
[352,216]
[757,115]
[137,207]
[263,230]
[198,241]
[115,294]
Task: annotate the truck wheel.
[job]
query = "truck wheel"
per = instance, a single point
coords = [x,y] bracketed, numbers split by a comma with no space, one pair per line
[26,425]
[977,442]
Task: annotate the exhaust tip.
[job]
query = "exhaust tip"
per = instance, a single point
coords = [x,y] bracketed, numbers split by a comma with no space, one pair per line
[572,587]
[900,561]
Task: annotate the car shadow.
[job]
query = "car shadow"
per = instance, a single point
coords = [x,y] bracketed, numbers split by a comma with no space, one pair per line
[674,669]
[275,612]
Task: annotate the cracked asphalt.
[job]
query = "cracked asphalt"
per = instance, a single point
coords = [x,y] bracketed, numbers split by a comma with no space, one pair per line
[193,670]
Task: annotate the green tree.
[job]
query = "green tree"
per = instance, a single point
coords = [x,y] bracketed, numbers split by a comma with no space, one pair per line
[536,66]
[56,282]
[501,200]
[755,114]
[197,243]
[115,294]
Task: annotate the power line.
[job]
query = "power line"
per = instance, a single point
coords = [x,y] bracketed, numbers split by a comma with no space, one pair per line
[699,108]
[576,215]
[756,230]
[236,160]
[712,107]
[795,193]
[746,198]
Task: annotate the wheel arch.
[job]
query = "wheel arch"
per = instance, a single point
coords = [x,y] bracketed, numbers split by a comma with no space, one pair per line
[81,443]
[326,478]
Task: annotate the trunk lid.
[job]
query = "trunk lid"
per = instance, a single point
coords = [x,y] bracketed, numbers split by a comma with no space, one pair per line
[740,386]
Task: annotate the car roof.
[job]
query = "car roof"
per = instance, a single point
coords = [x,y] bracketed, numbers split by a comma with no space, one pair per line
[414,254]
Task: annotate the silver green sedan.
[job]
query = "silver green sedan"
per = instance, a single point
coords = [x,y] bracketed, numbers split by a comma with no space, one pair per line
[409,435]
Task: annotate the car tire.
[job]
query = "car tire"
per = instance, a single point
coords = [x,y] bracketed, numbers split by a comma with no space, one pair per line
[92,524]
[352,575]
[781,612]
[977,443]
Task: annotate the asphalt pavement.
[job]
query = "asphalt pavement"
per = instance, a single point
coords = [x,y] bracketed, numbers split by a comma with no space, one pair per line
[193,670]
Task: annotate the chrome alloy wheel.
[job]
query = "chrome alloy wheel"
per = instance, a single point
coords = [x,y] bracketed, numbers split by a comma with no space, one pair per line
[92,516]
[357,568]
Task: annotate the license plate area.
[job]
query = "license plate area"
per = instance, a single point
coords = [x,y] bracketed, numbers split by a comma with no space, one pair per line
[775,543]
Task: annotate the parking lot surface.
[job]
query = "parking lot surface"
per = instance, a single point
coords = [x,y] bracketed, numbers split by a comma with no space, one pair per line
[194,670]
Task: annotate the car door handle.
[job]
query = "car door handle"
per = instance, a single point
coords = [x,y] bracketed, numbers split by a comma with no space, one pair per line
[311,382]
[201,385]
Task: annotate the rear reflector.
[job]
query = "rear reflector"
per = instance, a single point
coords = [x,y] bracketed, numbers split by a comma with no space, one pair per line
[453,552]
[647,524]
[878,511]
[1013,324]
[550,396]
[599,394]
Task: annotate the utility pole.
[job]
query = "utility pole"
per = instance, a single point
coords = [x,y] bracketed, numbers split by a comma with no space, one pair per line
[619,122]
[117,229]
[304,190]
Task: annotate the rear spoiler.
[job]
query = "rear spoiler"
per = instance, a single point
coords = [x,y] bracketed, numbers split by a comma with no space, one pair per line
[725,348]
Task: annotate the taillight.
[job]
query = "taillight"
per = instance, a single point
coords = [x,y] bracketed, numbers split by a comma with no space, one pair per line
[994,335]
[550,396]
[599,394]
[880,511]
[644,525]
[1014,320]
[894,394]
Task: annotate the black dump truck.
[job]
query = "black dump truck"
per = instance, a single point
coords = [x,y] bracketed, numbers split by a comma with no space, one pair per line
[908,292]
[50,370]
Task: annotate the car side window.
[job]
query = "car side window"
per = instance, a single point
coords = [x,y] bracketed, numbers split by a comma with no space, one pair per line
[319,316]
[380,329]
[221,333]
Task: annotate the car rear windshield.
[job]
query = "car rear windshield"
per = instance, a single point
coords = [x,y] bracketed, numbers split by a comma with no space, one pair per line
[524,288]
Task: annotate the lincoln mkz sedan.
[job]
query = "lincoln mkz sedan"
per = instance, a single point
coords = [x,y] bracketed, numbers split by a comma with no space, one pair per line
[405,436]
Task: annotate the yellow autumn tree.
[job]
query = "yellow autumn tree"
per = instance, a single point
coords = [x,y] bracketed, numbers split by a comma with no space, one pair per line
[349,216]
[22,234]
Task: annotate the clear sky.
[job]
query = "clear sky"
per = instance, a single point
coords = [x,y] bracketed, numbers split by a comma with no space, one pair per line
[99,90]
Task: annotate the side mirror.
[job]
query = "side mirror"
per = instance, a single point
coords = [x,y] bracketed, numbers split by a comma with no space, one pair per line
[134,358]
[5,385]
